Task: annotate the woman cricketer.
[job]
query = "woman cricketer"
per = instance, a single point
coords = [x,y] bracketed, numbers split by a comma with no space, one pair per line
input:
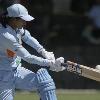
[12,74]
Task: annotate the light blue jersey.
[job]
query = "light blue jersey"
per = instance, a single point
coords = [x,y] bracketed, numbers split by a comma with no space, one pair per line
[13,75]
[11,49]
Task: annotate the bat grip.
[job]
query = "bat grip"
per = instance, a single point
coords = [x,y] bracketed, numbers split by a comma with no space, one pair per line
[64,64]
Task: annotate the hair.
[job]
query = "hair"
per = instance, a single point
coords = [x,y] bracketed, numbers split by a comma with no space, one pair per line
[4,19]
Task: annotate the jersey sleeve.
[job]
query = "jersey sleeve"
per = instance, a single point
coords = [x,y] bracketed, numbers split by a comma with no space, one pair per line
[31,41]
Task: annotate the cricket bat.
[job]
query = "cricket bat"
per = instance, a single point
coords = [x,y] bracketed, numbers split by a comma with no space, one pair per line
[84,71]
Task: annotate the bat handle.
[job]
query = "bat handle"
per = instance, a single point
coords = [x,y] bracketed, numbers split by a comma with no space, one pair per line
[64,64]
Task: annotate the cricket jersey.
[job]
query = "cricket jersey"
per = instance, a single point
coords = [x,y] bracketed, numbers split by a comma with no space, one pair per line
[12,51]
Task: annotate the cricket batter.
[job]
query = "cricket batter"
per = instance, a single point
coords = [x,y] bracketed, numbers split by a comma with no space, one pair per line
[12,74]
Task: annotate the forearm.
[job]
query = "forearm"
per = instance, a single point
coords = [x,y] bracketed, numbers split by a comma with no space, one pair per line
[26,56]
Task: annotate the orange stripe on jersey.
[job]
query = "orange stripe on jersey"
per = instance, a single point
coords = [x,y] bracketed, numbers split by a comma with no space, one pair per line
[10,53]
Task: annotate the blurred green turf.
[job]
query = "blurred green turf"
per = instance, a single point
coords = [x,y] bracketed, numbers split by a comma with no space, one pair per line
[26,96]
[61,96]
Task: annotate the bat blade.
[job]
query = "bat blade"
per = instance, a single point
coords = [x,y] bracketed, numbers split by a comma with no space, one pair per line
[90,73]
[84,71]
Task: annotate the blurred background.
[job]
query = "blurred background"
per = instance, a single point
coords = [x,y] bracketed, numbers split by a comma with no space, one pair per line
[69,28]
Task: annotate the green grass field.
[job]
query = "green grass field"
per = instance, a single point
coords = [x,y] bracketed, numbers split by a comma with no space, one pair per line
[63,95]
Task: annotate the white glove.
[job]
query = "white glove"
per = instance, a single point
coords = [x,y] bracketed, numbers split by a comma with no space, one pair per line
[56,66]
[47,55]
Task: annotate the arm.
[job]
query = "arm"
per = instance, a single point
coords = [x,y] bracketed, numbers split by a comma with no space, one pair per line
[10,42]
[31,41]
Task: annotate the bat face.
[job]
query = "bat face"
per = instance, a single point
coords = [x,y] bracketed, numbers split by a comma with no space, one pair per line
[82,70]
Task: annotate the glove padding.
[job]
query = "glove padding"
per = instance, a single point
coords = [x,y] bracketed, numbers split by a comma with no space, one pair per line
[47,55]
[56,66]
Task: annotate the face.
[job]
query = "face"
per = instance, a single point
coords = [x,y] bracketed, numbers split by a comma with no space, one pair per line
[17,23]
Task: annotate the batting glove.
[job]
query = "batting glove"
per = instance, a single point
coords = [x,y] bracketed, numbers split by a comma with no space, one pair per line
[47,55]
[56,66]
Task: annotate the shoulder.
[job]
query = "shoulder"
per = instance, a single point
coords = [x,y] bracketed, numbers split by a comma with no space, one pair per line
[2,29]
[23,31]
[5,35]
[26,31]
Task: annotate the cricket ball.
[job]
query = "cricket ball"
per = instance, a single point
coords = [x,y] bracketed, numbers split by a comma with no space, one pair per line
[98,67]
